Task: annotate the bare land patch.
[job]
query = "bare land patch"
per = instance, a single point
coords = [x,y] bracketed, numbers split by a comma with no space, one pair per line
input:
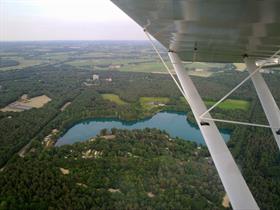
[24,103]
[64,171]
[240,66]
[65,106]
[226,202]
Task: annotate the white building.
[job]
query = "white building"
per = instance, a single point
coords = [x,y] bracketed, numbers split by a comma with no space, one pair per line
[95,77]
[109,79]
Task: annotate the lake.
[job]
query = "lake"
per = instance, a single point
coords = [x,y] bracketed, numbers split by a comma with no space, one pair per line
[174,123]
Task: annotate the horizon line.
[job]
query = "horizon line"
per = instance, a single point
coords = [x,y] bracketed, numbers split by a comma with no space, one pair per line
[74,40]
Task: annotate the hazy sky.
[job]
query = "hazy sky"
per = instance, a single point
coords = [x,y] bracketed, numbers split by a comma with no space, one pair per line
[65,20]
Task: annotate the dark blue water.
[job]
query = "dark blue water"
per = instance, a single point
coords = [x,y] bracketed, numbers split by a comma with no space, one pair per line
[172,122]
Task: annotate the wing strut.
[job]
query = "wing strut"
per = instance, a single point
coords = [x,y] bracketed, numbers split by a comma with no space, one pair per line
[268,103]
[234,184]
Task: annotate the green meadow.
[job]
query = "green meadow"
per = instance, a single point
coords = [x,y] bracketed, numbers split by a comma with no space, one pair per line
[230,104]
[148,103]
[113,98]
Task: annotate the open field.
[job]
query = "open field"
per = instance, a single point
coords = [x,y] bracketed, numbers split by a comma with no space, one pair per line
[228,104]
[57,56]
[81,63]
[231,104]
[133,57]
[144,67]
[26,104]
[23,63]
[10,108]
[38,102]
[149,103]
[202,65]
[113,98]
[240,66]
[200,73]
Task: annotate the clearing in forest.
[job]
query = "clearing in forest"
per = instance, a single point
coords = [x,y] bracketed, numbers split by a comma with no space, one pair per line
[148,103]
[231,104]
[228,104]
[240,66]
[113,98]
[24,103]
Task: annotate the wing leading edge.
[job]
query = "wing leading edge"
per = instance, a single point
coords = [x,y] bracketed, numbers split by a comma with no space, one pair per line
[213,31]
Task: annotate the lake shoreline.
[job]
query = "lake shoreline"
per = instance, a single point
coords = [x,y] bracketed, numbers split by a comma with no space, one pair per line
[174,123]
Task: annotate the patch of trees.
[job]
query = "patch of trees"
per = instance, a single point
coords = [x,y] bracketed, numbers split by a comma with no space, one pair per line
[8,63]
[140,169]
[259,157]
[255,149]
[17,129]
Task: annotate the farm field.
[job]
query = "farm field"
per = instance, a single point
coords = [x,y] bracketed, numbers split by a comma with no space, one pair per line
[231,104]
[148,103]
[202,65]
[23,63]
[200,73]
[228,104]
[128,57]
[144,67]
[113,98]
[240,66]
[26,104]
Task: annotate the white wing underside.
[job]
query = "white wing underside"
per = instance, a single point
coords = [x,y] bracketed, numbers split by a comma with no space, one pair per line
[221,31]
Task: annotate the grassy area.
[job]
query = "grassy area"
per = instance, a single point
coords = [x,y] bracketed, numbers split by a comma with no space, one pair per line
[127,65]
[23,63]
[149,103]
[201,65]
[144,67]
[231,104]
[113,98]
[200,73]
[80,63]
[157,67]
[57,56]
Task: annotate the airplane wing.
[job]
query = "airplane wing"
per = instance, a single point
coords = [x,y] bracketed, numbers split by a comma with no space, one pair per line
[216,30]
[219,31]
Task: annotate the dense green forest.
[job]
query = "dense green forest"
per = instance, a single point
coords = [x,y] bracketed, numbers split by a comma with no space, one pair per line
[64,83]
[136,166]
[136,170]
[8,63]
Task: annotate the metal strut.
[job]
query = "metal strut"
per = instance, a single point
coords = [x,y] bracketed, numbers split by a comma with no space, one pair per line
[233,182]
[252,72]
[202,116]
[267,101]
